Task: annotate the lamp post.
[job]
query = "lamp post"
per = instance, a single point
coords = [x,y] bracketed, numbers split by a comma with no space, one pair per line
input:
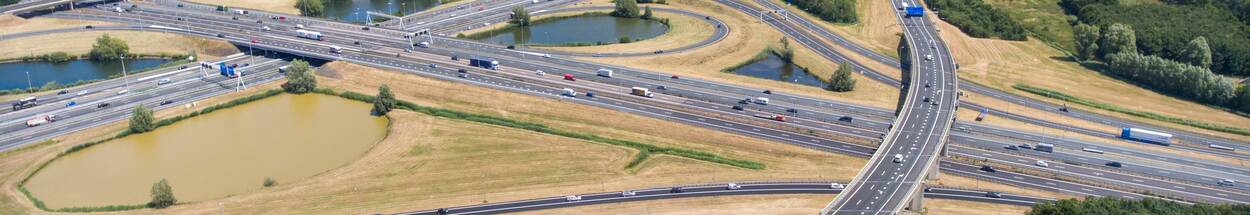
[30,87]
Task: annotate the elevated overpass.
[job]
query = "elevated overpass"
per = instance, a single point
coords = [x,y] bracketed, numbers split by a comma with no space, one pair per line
[909,153]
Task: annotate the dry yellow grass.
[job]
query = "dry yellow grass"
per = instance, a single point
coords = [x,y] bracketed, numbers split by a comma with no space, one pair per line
[767,204]
[746,38]
[958,207]
[1000,64]
[281,6]
[78,43]
[10,24]
[961,182]
[876,30]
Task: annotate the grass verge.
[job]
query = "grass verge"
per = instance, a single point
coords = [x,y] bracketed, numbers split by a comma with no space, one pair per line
[644,149]
[1150,115]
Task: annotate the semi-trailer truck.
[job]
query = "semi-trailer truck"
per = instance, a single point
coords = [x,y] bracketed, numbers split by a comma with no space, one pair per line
[40,121]
[605,72]
[779,118]
[484,63]
[981,116]
[1146,136]
[309,34]
[25,103]
[915,11]
[639,91]
[1045,147]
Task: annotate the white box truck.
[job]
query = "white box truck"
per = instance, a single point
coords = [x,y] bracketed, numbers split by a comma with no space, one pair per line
[605,72]
[41,120]
[1146,136]
[639,91]
[761,100]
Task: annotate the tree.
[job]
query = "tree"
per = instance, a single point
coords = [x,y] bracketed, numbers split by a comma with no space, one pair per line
[1242,101]
[1086,38]
[842,80]
[1197,53]
[269,182]
[300,78]
[162,195]
[785,52]
[313,8]
[626,8]
[1171,77]
[520,16]
[839,11]
[108,48]
[384,102]
[646,14]
[1117,39]
[142,120]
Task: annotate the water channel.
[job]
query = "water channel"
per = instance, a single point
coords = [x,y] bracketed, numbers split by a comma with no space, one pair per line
[13,75]
[773,68]
[589,29]
[227,152]
[355,11]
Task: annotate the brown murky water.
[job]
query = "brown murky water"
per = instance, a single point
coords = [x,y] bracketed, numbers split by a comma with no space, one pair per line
[228,152]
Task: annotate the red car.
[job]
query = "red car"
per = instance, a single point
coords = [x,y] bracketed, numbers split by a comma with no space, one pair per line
[569,77]
[254,40]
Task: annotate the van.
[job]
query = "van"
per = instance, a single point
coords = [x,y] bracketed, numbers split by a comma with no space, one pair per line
[573,198]
[733,186]
[898,158]
[1042,163]
[1226,182]
[761,100]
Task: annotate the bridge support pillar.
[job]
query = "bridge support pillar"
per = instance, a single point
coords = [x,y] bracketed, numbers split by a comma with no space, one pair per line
[917,201]
[934,171]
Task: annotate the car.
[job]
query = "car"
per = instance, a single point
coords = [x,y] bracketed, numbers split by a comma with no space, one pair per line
[934,103]
[299,26]
[995,195]
[88,27]
[102,105]
[80,93]
[166,102]
[745,101]
[441,211]
[898,158]
[1011,147]
[366,28]
[573,198]
[455,58]
[355,42]
[792,110]
[768,92]
[675,77]
[407,50]
[927,99]
[546,55]
[179,18]
[433,66]
[71,104]
[926,85]
[259,22]
[988,168]
[179,5]
[234,18]
[1026,146]
[737,107]
[928,57]
[254,40]
[1115,164]
[539,72]
[836,186]
[596,55]
[511,47]
[677,190]
[122,92]
[62,92]
[590,94]
[846,119]
[221,36]
[1226,182]
[462,71]
[659,51]
[163,81]
[1042,163]
[732,186]
[661,88]
[628,193]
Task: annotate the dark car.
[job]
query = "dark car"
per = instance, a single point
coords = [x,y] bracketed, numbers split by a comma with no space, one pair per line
[590,94]
[364,28]
[659,51]
[102,105]
[988,168]
[1011,147]
[1026,146]
[234,18]
[453,57]
[1115,164]
[744,101]
[677,190]
[511,46]
[166,102]
[662,88]
[792,110]
[259,22]
[846,119]
[926,99]
[221,36]
[441,211]
[995,195]
[88,27]
[675,77]
[768,92]
[356,43]
[62,92]
[737,107]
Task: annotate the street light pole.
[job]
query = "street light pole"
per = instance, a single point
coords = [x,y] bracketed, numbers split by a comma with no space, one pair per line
[30,87]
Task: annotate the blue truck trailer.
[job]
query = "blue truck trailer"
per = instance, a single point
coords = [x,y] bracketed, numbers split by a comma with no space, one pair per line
[484,63]
[915,11]
[1146,136]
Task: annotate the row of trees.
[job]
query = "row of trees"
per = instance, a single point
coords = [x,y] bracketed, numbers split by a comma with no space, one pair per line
[1169,31]
[1118,206]
[978,19]
[839,11]
[313,8]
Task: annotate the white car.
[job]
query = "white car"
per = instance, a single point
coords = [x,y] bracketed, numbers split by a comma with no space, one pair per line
[573,198]
[898,158]
[547,55]
[628,193]
[123,92]
[928,57]
[539,72]
[1042,163]
[836,186]
[733,186]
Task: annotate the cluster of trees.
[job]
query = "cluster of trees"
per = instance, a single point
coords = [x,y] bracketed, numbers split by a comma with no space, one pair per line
[520,16]
[108,48]
[842,80]
[626,9]
[1240,8]
[162,195]
[8,2]
[1167,31]
[300,78]
[978,19]
[384,102]
[839,11]
[142,120]
[1116,206]
[313,8]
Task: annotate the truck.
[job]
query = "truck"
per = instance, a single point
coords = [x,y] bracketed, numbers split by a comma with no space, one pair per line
[915,11]
[903,7]
[779,118]
[25,103]
[605,72]
[313,35]
[40,121]
[1220,147]
[569,92]
[484,63]
[1045,147]
[1092,150]
[639,91]
[761,100]
[1146,136]
[984,112]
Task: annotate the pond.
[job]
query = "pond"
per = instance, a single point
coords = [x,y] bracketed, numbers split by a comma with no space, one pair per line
[773,68]
[354,11]
[227,152]
[588,29]
[13,75]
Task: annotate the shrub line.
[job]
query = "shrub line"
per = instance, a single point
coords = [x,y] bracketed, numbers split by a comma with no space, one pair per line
[1145,114]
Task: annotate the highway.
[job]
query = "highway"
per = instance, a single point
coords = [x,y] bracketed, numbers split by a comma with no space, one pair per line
[894,175]
[704,190]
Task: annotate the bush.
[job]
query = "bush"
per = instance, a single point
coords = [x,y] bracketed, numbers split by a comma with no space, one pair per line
[1113,205]
[384,102]
[626,39]
[313,8]
[838,11]
[57,57]
[162,195]
[626,9]
[269,182]
[842,80]
[978,19]
[8,2]
[108,48]
[647,14]
[142,120]
[300,78]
